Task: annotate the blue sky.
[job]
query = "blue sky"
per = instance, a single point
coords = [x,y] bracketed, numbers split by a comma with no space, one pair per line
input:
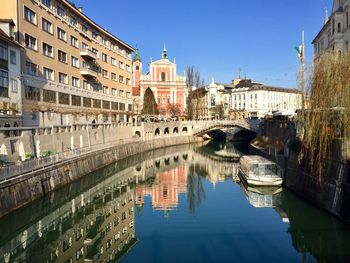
[217,36]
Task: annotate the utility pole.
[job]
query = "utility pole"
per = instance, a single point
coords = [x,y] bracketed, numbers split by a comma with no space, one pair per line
[302,59]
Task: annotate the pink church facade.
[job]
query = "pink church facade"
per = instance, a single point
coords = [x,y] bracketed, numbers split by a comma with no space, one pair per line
[169,89]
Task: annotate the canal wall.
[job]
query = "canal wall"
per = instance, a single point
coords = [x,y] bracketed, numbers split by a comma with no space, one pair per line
[278,140]
[21,186]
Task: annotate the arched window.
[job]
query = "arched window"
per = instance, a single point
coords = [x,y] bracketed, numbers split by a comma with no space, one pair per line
[163,76]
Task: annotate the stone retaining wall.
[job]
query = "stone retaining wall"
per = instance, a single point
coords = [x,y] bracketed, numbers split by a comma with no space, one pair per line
[21,190]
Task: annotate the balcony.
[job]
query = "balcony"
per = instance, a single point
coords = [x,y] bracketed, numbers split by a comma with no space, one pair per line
[88,54]
[88,72]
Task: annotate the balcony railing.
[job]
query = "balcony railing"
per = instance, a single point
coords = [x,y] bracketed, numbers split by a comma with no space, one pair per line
[88,72]
[87,53]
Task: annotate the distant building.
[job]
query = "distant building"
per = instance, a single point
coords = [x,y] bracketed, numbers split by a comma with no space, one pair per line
[251,99]
[211,101]
[10,76]
[335,33]
[169,89]
[74,70]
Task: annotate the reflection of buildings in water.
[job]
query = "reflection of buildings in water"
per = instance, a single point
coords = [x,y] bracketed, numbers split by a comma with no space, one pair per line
[216,170]
[165,189]
[97,225]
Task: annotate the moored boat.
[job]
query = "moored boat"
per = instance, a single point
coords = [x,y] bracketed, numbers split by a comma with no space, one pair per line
[256,170]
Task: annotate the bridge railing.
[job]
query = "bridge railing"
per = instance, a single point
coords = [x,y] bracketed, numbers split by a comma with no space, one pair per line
[208,125]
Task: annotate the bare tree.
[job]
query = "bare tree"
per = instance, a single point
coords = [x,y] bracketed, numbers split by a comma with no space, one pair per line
[174,109]
[189,84]
[193,79]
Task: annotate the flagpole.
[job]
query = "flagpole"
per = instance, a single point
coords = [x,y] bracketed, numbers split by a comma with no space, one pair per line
[303,70]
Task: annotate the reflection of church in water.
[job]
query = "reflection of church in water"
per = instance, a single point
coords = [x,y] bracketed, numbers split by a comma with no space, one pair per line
[165,189]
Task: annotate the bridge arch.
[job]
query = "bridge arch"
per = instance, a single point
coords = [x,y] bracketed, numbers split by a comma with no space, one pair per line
[184,129]
[166,131]
[176,130]
[157,132]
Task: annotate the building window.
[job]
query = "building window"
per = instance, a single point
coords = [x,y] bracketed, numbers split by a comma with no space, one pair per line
[48,73]
[75,62]
[94,35]
[62,56]
[103,40]
[104,57]
[74,42]
[113,62]
[47,50]
[49,96]
[114,92]
[84,28]
[85,84]
[75,82]
[121,79]
[121,93]
[105,73]
[84,46]
[128,68]
[61,34]
[13,57]
[29,15]
[4,84]
[62,78]
[31,68]
[105,90]
[339,27]
[121,65]
[30,42]
[60,11]
[46,3]
[46,25]
[128,82]
[73,21]
[163,76]
[76,101]
[113,76]
[3,55]
[14,85]
[63,98]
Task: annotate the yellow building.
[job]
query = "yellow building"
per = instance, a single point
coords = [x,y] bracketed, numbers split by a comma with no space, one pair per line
[74,71]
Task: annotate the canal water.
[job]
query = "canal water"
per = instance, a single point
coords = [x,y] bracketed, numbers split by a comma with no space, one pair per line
[179,204]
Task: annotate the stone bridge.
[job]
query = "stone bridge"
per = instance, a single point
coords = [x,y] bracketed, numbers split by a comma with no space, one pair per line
[234,126]
[149,131]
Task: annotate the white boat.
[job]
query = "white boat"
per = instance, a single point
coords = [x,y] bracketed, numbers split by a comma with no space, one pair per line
[259,171]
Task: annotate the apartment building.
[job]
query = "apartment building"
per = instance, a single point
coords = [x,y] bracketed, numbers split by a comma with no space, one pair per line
[335,33]
[253,99]
[10,76]
[74,71]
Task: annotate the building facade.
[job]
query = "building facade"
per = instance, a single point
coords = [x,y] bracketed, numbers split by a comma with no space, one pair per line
[169,89]
[251,99]
[74,71]
[212,101]
[335,33]
[10,77]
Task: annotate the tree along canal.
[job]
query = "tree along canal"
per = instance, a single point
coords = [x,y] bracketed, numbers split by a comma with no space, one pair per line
[179,204]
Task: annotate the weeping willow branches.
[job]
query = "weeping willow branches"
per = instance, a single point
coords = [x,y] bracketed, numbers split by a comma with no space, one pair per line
[327,118]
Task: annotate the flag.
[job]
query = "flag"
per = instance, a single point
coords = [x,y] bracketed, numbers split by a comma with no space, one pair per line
[299,50]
